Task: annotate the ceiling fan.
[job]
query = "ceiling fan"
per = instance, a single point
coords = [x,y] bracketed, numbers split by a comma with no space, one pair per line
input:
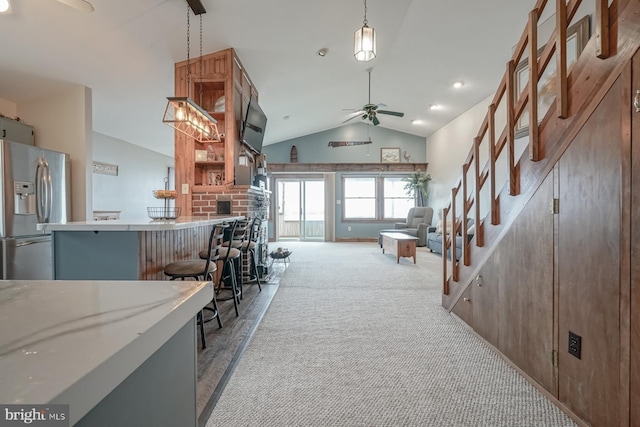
[370,111]
[81,5]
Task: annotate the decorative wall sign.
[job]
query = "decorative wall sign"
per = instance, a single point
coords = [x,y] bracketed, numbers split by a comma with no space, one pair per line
[347,143]
[105,168]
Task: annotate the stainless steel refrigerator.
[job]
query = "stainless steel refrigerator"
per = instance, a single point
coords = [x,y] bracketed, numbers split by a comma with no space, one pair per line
[35,189]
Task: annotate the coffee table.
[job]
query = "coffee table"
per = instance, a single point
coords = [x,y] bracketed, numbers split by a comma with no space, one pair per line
[401,244]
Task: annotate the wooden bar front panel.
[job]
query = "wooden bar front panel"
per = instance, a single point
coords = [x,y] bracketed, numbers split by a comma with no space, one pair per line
[159,248]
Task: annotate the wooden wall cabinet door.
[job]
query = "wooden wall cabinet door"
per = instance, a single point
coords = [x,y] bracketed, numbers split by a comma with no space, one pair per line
[484,294]
[589,273]
[464,308]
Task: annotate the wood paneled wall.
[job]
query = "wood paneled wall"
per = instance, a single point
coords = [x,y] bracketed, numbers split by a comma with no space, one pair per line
[526,289]
[159,248]
[575,270]
[589,265]
[512,297]
[634,352]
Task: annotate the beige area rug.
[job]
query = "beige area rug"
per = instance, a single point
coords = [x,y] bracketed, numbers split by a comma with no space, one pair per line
[354,339]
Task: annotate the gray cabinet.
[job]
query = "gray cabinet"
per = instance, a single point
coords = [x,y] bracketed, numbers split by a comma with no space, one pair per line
[12,130]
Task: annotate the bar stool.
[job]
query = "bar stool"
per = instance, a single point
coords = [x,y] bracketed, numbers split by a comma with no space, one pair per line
[237,241]
[249,247]
[201,269]
[227,269]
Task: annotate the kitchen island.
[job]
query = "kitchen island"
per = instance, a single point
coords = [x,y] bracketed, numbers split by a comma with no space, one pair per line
[126,249]
[118,353]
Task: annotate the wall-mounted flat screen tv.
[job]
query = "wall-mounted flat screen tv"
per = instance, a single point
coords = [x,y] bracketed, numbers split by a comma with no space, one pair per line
[253,126]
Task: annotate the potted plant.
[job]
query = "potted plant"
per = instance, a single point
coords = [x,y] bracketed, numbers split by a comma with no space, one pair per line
[416,186]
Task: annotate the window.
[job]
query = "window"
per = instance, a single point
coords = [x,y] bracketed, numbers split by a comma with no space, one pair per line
[396,201]
[360,198]
[376,198]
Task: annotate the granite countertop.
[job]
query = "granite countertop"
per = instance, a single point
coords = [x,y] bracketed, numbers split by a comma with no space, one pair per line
[142,224]
[73,342]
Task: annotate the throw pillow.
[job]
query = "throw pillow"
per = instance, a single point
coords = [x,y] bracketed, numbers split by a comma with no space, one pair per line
[439,227]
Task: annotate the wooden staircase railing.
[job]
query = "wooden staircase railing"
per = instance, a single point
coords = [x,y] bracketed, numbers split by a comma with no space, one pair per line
[479,183]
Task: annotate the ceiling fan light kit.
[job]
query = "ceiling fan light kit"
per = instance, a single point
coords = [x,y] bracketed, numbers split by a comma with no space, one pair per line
[365,40]
[370,111]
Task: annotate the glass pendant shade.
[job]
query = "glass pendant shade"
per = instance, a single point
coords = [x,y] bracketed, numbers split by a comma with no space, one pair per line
[187,117]
[365,44]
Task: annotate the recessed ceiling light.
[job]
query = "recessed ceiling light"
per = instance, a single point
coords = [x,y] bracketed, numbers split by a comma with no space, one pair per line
[322,52]
[434,107]
[458,84]
[4,6]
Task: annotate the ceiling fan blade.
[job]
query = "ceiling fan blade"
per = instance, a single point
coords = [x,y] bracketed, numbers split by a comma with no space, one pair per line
[353,117]
[391,113]
[81,5]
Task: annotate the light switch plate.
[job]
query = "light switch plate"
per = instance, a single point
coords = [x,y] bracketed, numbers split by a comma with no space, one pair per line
[185,188]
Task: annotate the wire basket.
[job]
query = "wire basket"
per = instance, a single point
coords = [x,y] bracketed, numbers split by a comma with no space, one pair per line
[163,213]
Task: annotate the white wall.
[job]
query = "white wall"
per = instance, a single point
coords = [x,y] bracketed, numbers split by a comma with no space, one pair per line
[8,108]
[63,122]
[140,171]
[447,149]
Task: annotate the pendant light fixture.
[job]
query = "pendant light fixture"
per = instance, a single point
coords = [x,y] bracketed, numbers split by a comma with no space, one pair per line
[365,40]
[183,114]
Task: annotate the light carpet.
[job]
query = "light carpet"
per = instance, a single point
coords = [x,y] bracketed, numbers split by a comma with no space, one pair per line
[353,339]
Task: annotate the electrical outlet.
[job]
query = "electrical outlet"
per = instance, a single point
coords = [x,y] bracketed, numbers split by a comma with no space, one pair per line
[349,228]
[575,344]
[185,188]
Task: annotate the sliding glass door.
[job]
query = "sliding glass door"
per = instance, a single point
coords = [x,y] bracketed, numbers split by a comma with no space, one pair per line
[300,209]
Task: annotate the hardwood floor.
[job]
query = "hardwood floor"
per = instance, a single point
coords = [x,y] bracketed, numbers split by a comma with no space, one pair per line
[225,345]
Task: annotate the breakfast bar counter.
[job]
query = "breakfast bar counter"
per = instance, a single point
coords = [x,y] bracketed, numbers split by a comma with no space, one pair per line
[118,353]
[126,249]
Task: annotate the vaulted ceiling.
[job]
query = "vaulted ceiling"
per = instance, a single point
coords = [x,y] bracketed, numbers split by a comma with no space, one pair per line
[125,51]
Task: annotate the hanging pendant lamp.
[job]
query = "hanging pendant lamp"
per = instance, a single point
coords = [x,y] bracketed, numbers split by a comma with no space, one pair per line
[183,114]
[365,40]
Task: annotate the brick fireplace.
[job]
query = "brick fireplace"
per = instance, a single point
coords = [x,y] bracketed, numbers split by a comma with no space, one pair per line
[243,200]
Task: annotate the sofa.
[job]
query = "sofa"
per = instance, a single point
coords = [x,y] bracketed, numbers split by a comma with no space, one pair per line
[417,223]
[434,238]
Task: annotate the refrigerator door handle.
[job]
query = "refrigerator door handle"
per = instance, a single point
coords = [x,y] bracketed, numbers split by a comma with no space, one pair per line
[27,243]
[49,192]
[43,191]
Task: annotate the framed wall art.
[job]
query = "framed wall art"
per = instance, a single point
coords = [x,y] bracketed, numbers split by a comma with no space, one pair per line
[390,155]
